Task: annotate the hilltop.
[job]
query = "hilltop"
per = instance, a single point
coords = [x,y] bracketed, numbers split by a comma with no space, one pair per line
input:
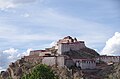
[68,59]
[71,47]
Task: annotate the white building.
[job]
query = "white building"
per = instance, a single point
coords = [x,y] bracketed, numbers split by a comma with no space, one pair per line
[68,43]
[33,58]
[63,45]
[53,60]
[108,59]
[85,63]
[40,52]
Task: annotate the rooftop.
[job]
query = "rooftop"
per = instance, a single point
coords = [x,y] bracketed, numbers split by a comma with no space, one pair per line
[39,51]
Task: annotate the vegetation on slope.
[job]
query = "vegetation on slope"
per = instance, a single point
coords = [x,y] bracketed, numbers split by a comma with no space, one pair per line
[40,72]
[82,53]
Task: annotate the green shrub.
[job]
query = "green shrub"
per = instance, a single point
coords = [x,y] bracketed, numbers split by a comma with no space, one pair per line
[40,72]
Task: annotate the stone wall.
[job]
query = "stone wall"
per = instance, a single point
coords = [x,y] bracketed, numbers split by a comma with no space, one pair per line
[33,58]
[40,52]
[69,63]
[60,61]
[53,60]
[50,61]
[85,63]
[64,47]
[108,59]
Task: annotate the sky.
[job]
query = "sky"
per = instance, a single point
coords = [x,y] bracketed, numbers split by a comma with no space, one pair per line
[27,25]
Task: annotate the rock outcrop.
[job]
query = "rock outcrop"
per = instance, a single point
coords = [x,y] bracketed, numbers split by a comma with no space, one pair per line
[17,69]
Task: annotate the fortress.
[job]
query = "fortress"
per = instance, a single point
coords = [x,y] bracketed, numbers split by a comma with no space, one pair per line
[56,55]
[67,44]
[63,45]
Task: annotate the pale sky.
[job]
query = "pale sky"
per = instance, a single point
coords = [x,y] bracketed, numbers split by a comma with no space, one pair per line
[34,24]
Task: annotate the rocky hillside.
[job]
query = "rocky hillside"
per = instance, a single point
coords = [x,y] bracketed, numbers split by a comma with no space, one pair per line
[83,53]
[17,69]
[110,72]
[20,67]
